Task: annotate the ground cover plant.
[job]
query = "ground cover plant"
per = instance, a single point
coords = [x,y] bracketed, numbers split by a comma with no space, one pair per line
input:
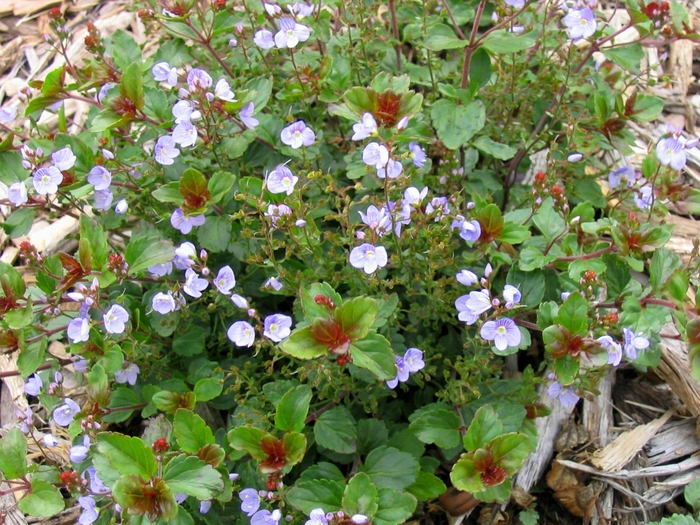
[310,239]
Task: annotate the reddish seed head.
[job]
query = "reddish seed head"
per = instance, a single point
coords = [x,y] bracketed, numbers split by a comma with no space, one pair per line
[557,191]
[160,445]
[323,300]
[540,177]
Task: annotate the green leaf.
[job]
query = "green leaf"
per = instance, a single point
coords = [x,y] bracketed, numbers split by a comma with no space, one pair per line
[336,429]
[374,353]
[190,475]
[677,285]
[19,222]
[148,251]
[95,235]
[43,501]
[208,388]
[485,426]
[531,285]
[480,68]
[361,100]
[53,83]
[124,50]
[513,233]
[356,316]
[318,493]
[464,475]
[104,120]
[293,409]
[131,85]
[617,275]
[663,263]
[128,455]
[442,42]
[502,41]
[647,108]
[248,439]
[576,268]
[395,507]
[456,125]
[302,345]
[532,258]
[191,431]
[311,308]
[19,317]
[220,185]
[294,447]
[13,454]
[549,222]
[389,467]
[191,342]
[131,492]
[361,496]
[169,193]
[323,470]
[215,234]
[509,451]
[573,314]
[371,433]
[566,369]
[495,149]
[427,486]
[32,356]
[499,493]
[692,494]
[628,56]
[439,426]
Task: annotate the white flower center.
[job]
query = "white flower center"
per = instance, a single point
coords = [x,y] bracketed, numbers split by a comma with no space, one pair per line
[501,330]
[274,328]
[370,254]
[290,32]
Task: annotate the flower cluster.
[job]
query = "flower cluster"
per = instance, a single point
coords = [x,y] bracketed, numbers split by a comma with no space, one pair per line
[410,363]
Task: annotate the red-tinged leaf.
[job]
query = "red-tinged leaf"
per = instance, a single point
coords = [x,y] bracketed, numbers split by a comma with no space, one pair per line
[276,455]
[493,475]
[194,188]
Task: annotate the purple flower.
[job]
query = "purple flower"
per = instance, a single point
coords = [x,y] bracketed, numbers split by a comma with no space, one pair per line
[162,72]
[185,223]
[368,257]
[49,440]
[297,135]
[418,156]
[281,180]
[239,301]
[185,134]
[63,414]
[670,152]
[194,285]
[624,175]
[275,211]
[89,514]
[633,342]
[574,157]
[46,180]
[263,39]
[645,197]
[115,319]
[79,453]
[401,373]
[413,360]
[33,386]
[128,374]
[472,305]
[274,283]
[204,506]
[581,24]
[375,155]
[413,197]
[359,519]
[511,295]
[161,270]
[63,159]
[246,116]
[164,303]
[517,4]
[103,199]
[301,10]
[185,254]
[81,365]
[184,111]
[365,128]
[223,91]
[317,517]
[277,326]
[100,178]
[613,348]
[8,114]
[470,231]
[241,333]
[225,280]
[102,93]
[503,332]
[440,205]
[291,33]
[121,207]
[378,220]
[26,418]
[198,79]
[393,169]
[272,9]
[96,484]
[567,396]
[467,278]
[165,150]
[265,517]
[250,501]
[17,193]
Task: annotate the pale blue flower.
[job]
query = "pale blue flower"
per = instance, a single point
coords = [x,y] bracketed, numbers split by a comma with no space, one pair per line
[277,327]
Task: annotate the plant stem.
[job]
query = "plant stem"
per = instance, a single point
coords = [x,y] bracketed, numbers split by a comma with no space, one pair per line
[395,29]
[473,44]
